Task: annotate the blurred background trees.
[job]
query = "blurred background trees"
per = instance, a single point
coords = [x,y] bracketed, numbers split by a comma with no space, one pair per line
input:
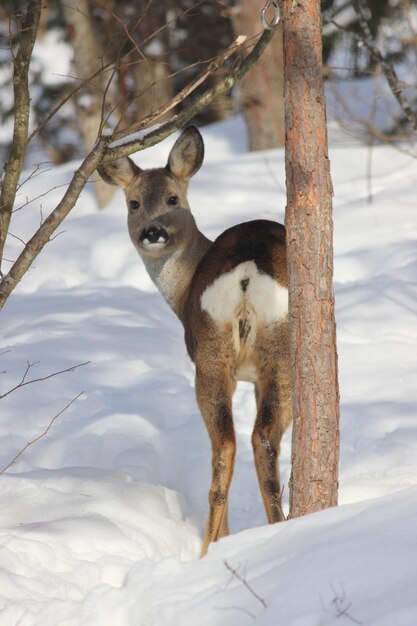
[139,53]
[262,90]
[363,102]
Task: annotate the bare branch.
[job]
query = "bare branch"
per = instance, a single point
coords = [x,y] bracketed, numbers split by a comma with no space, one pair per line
[184,93]
[23,382]
[388,69]
[59,106]
[101,152]
[41,195]
[181,119]
[106,67]
[14,165]
[342,607]
[48,227]
[245,583]
[43,433]
[16,237]
[365,126]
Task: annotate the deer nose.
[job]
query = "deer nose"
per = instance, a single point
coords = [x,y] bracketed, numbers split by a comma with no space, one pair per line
[154,235]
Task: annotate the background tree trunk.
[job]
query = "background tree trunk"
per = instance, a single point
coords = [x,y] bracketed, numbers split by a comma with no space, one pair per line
[262,90]
[315,455]
[89,100]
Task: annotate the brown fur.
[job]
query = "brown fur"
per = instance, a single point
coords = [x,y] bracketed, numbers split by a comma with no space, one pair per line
[184,263]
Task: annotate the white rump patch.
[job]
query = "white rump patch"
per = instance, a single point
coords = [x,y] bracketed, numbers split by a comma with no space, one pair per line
[225,298]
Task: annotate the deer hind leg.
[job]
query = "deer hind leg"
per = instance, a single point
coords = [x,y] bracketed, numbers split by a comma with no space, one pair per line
[274,403]
[214,396]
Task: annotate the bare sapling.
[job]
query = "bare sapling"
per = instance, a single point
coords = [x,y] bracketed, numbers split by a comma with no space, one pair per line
[110,145]
[231,296]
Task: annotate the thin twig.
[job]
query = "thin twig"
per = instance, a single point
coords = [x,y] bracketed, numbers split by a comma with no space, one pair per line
[51,223]
[25,382]
[245,583]
[112,152]
[37,171]
[388,69]
[43,433]
[184,93]
[341,606]
[110,66]
[41,195]
[9,234]
[138,94]
[101,153]
[366,126]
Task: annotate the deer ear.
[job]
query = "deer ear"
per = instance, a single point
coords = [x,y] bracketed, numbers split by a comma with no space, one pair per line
[120,172]
[187,155]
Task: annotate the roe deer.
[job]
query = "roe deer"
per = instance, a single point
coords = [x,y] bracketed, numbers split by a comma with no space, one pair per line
[232,299]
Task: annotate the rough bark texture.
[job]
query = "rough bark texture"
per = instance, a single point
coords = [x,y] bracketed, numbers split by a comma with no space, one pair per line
[14,165]
[89,99]
[315,455]
[262,90]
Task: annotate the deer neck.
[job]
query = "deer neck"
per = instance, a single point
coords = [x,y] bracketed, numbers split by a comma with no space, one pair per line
[172,274]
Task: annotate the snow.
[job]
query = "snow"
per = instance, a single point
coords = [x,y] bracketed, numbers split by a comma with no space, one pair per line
[102,517]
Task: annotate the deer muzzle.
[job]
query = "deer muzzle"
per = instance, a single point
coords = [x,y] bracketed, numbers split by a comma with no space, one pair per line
[154,236]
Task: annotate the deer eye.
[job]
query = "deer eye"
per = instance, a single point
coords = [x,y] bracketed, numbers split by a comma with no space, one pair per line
[173,200]
[134,204]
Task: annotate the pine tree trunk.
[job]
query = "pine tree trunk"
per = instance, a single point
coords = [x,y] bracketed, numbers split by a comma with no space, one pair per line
[315,454]
[89,99]
[262,90]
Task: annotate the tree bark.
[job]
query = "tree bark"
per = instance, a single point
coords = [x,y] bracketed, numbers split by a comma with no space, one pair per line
[262,90]
[14,165]
[89,99]
[315,444]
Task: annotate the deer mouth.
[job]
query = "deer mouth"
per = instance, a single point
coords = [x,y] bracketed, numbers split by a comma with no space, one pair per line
[154,237]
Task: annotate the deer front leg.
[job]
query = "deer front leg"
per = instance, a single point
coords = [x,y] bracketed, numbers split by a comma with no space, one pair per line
[214,396]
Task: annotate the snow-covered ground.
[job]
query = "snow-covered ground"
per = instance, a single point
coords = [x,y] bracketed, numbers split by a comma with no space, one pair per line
[101,519]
